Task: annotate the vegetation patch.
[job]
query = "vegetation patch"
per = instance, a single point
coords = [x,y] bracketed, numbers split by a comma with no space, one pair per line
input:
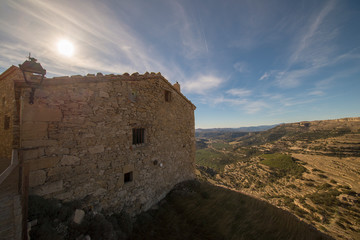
[222,146]
[213,159]
[327,198]
[282,164]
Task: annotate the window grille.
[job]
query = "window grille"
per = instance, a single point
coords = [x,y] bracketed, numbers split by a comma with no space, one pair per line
[138,136]
[167,96]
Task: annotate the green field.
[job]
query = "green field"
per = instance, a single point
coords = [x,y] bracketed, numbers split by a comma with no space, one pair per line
[282,164]
[213,159]
[222,146]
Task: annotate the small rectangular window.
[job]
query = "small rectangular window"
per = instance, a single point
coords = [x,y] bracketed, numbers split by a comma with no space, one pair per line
[138,135]
[167,96]
[128,177]
[6,122]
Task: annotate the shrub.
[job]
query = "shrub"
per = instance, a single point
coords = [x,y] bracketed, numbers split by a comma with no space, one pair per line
[325,198]
[340,225]
[322,176]
[325,186]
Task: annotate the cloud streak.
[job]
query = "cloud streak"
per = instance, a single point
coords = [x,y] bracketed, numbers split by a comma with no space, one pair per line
[202,84]
[239,92]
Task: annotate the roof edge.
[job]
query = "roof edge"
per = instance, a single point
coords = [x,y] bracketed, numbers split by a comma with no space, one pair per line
[8,71]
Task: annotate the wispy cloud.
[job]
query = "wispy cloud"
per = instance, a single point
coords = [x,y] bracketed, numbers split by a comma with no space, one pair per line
[313,36]
[246,105]
[113,49]
[316,93]
[192,35]
[312,50]
[255,106]
[241,67]
[264,76]
[202,84]
[239,92]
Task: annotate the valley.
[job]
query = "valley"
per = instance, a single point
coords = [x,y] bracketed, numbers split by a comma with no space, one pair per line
[311,169]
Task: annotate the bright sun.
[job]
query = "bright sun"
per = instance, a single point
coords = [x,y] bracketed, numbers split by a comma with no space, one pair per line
[65,48]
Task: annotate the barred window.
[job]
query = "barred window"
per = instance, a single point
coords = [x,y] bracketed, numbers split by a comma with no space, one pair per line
[138,135]
[167,96]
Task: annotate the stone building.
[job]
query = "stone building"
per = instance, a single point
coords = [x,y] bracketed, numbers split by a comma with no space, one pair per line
[117,142]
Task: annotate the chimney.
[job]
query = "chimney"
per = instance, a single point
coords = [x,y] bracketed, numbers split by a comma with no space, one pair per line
[177,86]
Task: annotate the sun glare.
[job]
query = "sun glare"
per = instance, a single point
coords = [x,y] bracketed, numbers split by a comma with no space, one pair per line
[65,48]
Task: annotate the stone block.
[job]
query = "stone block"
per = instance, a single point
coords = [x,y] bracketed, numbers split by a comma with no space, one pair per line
[48,188]
[38,113]
[128,168]
[96,149]
[56,150]
[68,160]
[103,164]
[103,94]
[74,120]
[120,181]
[78,216]
[38,143]
[33,153]
[31,130]
[64,196]
[37,178]
[42,163]
[99,191]
[58,173]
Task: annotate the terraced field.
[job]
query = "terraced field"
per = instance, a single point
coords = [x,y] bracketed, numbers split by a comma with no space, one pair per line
[317,178]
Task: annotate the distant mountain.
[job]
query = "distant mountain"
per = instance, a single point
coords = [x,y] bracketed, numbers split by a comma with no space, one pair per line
[240,129]
[304,131]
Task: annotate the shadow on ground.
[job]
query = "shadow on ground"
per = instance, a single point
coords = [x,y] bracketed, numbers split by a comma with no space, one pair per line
[198,210]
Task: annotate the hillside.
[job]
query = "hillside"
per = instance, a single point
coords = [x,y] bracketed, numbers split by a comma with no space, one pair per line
[228,133]
[309,168]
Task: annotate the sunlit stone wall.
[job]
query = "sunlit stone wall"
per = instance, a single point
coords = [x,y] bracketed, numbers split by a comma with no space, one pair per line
[78,137]
[8,113]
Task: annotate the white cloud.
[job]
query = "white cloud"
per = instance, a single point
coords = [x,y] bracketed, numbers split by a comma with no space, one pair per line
[264,76]
[316,93]
[241,67]
[220,100]
[291,79]
[240,92]
[310,46]
[202,84]
[248,106]
[255,106]
[192,35]
[114,49]
[312,50]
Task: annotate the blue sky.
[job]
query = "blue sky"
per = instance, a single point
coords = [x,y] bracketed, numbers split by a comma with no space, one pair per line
[242,63]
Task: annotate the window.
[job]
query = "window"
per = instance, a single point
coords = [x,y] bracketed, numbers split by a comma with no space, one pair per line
[167,96]
[128,177]
[6,122]
[138,136]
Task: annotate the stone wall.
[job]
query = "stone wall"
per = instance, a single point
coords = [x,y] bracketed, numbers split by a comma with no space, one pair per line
[78,139]
[10,207]
[7,115]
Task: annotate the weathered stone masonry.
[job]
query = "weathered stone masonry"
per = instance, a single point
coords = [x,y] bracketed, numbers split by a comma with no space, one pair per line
[77,139]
